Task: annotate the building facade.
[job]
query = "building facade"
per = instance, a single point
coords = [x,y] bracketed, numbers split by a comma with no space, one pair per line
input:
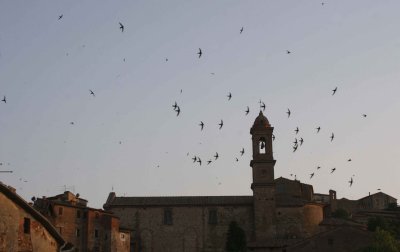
[88,229]
[22,228]
[280,212]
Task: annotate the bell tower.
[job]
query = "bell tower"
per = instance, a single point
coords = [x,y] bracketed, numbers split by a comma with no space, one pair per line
[263,185]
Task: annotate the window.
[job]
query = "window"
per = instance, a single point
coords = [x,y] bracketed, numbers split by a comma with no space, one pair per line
[167,217]
[27,225]
[60,211]
[78,214]
[78,232]
[96,233]
[212,217]
[84,215]
[262,145]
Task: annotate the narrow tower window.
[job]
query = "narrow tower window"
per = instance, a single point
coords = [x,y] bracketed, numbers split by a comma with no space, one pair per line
[262,146]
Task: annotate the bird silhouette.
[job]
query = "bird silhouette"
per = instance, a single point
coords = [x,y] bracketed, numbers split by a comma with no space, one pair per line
[295,148]
[364,115]
[318,129]
[295,141]
[351,181]
[121,26]
[216,156]
[178,111]
[247,110]
[288,52]
[61,16]
[241,30]
[229,96]
[311,175]
[201,125]
[199,160]
[349,160]
[332,137]
[4,99]
[175,106]
[334,91]
[296,130]
[221,124]
[301,141]
[333,169]
[318,167]
[209,162]
[200,53]
[288,113]
[166,59]
[72,123]
[242,152]
[237,160]
[273,137]
[194,159]
[91,92]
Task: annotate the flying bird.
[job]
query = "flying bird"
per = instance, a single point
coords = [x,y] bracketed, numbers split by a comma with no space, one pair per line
[332,137]
[91,92]
[200,53]
[166,59]
[351,181]
[364,115]
[221,124]
[296,130]
[301,141]
[4,99]
[349,160]
[333,169]
[288,113]
[273,137]
[237,160]
[247,110]
[72,123]
[121,26]
[318,167]
[295,148]
[201,125]
[318,129]
[61,16]
[241,30]
[311,175]
[209,162]
[295,141]
[199,160]
[229,96]
[242,152]
[288,52]
[175,106]
[334,91]
[216,156]
[178,111]
[194,159]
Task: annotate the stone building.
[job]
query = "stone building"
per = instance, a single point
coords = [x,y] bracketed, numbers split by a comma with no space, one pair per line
[22,228]
[88,229]
[280,212]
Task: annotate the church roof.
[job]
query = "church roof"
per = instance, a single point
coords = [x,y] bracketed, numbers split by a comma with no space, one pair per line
[261,122]
[178,201]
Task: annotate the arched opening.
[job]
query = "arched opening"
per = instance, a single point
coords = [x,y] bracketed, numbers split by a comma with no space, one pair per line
[262,146]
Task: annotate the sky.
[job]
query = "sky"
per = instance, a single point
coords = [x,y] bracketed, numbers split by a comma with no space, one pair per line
[128,139]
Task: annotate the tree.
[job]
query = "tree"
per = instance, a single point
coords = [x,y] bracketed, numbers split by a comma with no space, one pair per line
[383,242]
[341,214]
[236,238]
[377,222]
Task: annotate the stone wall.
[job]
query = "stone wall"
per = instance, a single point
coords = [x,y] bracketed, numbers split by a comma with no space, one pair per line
[190,229]
[12,235]
[298,222]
